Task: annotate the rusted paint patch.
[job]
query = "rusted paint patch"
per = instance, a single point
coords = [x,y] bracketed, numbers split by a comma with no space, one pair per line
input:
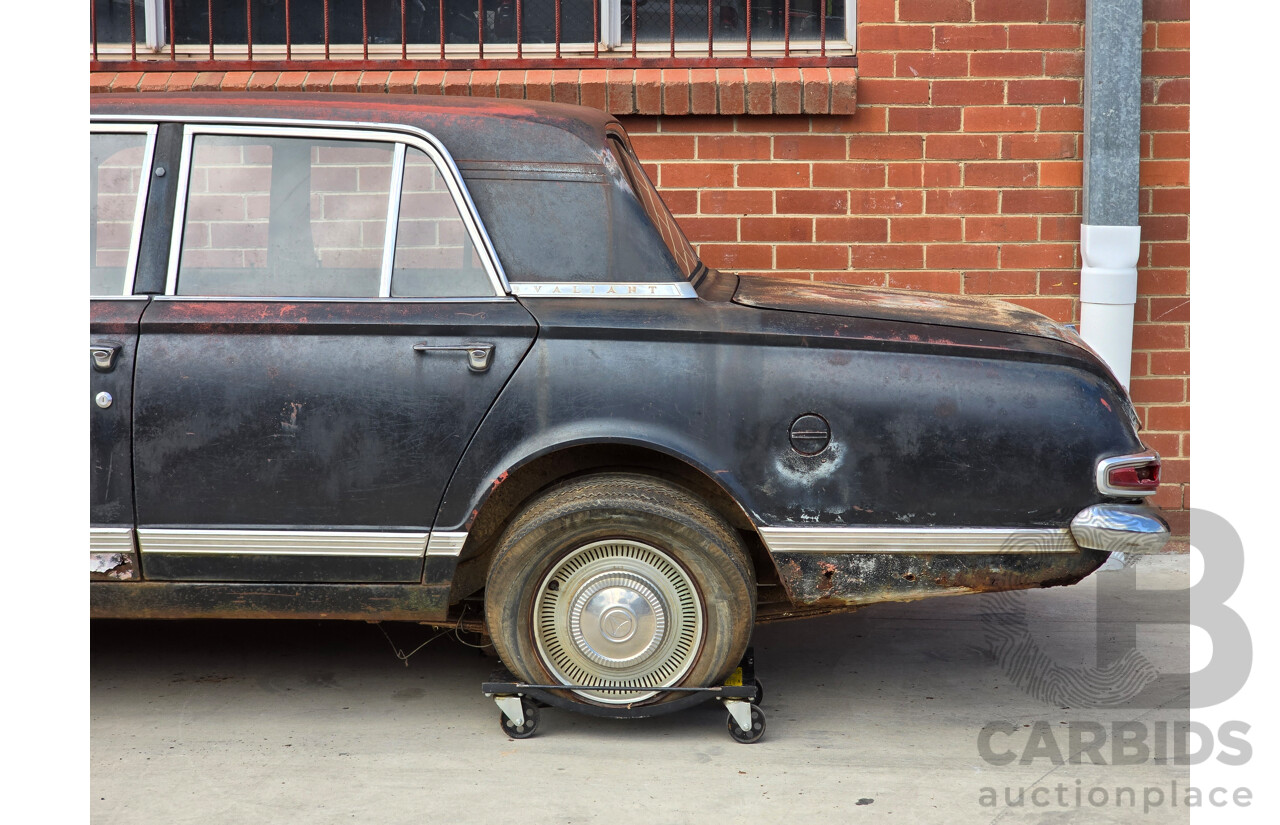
[843,581]
[113,567]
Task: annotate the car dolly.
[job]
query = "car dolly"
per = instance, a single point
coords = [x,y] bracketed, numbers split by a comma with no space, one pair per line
[519,702]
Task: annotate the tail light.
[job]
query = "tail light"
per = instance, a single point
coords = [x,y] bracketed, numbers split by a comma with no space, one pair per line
[1129,475]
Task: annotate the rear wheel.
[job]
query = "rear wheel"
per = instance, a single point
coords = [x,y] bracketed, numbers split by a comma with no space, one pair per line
[620,581]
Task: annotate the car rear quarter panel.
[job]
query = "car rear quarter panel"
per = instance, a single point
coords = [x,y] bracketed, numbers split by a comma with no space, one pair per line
[931,426]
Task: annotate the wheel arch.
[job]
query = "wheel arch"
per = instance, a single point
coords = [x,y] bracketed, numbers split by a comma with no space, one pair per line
[523,479]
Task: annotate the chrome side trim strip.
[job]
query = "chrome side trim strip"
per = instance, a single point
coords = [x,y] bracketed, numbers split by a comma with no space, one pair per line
[110,539]
[1124,528]
[1106,465]
[569,289]
[446,544]
[153,540]
[840,540]
[533,170]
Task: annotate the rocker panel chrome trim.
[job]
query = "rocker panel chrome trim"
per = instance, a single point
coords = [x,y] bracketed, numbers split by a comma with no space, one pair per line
[915,540]
[446,544]
[110,539]
[281,543]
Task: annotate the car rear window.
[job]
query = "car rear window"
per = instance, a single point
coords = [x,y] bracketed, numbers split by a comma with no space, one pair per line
[648,196]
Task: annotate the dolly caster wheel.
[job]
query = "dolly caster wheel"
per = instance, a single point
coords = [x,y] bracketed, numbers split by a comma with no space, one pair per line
[524,730]
[759,697]
[751,734]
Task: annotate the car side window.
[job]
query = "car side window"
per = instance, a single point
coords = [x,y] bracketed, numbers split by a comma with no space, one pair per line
[285,217]
[434,256]
[658,212]
[116,162]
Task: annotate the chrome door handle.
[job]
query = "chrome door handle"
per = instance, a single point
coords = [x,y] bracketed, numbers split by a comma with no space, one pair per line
[478,355]
[104,356]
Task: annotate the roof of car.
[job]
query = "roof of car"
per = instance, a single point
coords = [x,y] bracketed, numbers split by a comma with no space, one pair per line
[471,128]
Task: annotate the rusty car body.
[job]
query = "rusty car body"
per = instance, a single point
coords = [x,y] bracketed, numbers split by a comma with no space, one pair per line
[447,360]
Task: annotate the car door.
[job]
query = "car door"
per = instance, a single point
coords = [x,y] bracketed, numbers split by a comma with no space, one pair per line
[334,328]
[120,158]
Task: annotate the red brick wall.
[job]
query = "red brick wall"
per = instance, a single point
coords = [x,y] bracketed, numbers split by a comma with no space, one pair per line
[960,172]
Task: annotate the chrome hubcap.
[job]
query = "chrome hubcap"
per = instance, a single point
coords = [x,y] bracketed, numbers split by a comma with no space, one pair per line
[618,613]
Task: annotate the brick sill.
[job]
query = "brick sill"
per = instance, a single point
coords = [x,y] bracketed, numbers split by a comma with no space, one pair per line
[756,91]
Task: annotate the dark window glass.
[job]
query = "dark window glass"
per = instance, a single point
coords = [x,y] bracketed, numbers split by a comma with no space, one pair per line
[686,259]
[346,23]
[306,21]
[655,19]
[111,21]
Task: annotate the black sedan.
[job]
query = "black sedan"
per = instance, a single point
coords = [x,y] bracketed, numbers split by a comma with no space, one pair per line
[447,360]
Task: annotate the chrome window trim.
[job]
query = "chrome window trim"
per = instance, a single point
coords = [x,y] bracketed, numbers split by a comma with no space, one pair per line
[360,543]
[1106,465]
[341,130]
[179,213]
[144,190]
[914,540]
[396,128]
[394,197]
[603,289]
[249,299]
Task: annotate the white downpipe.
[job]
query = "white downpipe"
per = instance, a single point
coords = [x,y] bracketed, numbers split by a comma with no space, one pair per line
[1108,292]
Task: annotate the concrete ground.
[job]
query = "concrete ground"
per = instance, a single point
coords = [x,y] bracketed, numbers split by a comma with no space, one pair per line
[875,714]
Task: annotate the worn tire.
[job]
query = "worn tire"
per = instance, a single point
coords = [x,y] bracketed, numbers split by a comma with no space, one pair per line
[622,580]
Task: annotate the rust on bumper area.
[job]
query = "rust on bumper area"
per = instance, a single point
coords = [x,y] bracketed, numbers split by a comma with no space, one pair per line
[844,580]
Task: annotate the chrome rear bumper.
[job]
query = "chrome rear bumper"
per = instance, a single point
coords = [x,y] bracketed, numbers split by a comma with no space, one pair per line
[1123,528]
